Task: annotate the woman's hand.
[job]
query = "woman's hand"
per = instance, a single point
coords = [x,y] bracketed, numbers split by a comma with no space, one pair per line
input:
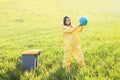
[83,25]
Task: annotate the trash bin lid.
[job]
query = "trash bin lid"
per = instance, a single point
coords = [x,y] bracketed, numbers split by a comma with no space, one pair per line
[34,52]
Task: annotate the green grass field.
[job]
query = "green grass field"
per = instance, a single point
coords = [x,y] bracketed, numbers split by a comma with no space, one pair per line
[37,24]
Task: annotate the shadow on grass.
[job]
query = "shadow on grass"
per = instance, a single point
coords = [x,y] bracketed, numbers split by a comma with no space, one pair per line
[62,74]
[15,73]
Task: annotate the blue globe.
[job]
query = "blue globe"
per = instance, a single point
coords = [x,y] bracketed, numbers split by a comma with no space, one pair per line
[83,20]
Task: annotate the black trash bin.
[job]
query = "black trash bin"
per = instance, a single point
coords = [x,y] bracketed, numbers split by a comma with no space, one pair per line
[30,59]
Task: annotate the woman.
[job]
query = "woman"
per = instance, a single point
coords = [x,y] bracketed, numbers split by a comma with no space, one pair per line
[72,43]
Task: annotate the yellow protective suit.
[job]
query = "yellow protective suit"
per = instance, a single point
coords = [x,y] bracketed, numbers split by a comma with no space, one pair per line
[72,46]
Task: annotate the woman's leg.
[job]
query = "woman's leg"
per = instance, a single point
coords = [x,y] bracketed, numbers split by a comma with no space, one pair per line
[67,56]
[78,55]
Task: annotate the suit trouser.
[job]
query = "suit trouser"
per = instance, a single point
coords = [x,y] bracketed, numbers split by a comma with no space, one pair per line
[75,51]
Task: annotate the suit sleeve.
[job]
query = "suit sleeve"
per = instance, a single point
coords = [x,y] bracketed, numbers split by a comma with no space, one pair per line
[80,28]
[69,30]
